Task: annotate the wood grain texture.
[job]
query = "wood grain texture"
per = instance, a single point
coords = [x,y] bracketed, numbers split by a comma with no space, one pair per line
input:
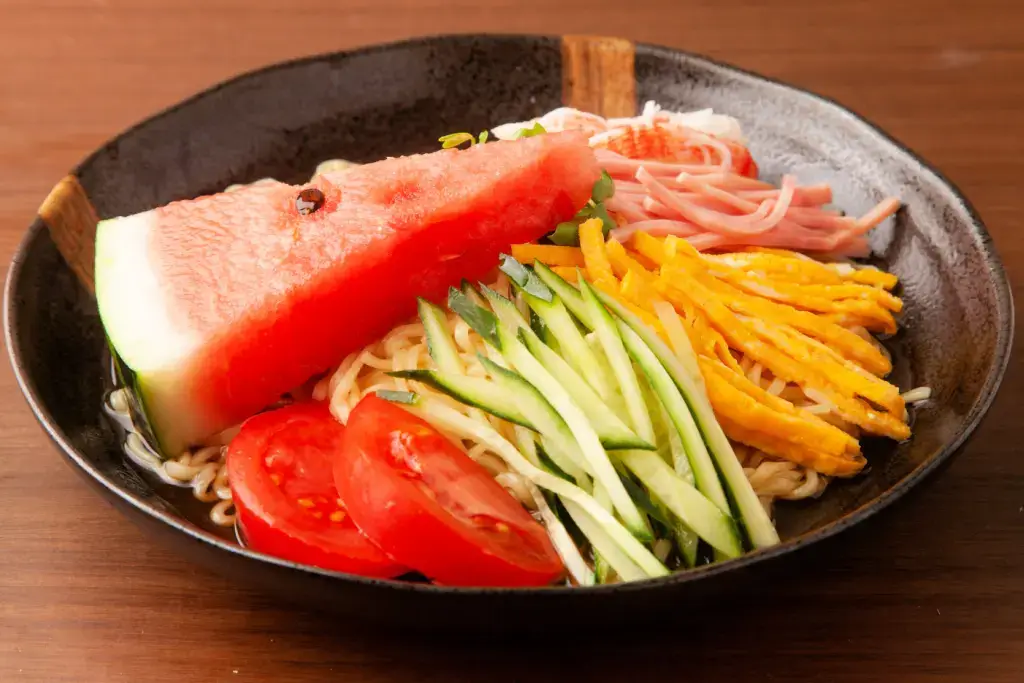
[71,220]
[597,75]
[931,590]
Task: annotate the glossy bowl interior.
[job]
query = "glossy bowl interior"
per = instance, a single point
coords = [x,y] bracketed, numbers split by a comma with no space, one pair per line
[397,99]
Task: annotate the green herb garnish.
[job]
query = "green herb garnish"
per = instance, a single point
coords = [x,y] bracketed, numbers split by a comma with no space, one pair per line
[604,188]
[479,319]
[525,278]
[456,139]
[567,234]
[535,129]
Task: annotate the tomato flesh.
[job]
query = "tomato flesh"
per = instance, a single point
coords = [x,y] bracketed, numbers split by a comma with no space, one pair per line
[428,505]
[280,473]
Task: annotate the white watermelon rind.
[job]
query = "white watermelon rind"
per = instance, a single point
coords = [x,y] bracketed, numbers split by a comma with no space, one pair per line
[139,327]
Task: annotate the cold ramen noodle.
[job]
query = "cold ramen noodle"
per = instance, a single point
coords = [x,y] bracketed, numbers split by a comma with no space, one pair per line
[570,349]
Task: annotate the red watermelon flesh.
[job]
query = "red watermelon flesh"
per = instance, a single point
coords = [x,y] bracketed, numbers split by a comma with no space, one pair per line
[222,303]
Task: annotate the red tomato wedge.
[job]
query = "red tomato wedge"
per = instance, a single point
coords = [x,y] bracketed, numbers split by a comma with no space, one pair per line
[431,507]
[279,469]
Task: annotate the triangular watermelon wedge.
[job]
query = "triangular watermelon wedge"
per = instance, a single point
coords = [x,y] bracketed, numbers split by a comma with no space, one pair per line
[220,304]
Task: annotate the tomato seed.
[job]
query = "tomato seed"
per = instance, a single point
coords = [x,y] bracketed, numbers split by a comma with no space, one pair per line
[337,516]
[305,502]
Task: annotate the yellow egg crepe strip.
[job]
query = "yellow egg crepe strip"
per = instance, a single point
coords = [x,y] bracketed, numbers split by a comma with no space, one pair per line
[824,435]
[850,345]
[599,270]
[786,313]
[548,254]
[838,369]
[676,282]
[565,272]
[810,457]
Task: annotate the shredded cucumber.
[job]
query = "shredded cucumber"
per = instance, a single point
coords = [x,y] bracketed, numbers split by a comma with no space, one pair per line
[560,538]
[604,326]
[613,432]
[572,346]
[755,520]
[474,391]
[598,464]
[607,552]
[439,338]
[559,441]
[437,413]
[569,295]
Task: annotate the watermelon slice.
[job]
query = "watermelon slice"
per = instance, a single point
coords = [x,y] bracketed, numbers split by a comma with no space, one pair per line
[221,304]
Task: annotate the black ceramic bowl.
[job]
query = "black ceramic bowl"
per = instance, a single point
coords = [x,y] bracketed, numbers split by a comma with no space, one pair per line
[394,99]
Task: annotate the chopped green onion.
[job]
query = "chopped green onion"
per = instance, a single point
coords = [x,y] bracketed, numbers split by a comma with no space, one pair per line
[525,278]
[479,319]
[535,129]
[456,139]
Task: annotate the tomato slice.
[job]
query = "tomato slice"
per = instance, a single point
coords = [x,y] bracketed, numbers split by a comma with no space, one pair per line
[431,507]
[280,473]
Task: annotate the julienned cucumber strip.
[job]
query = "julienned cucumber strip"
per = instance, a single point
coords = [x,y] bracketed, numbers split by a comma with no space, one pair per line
[758,526]
[604,326]
[602,568]
[670,448]
[560,538]
[612,431]
[598,464]
[504,309]
[452,420]
[605,548]
[703,468]
[467,288]
[523,277]
[569,295]
[713,524]
[697,512]
[439,338]
[474,391]
[525,441]
[755,521]
[560,444]
[680,342]
[689,505]
[571,343]
[477,317]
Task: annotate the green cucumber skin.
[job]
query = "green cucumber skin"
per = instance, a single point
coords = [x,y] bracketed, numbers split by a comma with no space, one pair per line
[754,521]
[439,341]
[613,436]
[622,368]
[517,354]
[454,386]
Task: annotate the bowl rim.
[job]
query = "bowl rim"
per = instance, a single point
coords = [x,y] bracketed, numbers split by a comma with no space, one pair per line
[1005,316]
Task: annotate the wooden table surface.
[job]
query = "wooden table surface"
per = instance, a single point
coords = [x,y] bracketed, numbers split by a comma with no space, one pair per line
[932,590]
